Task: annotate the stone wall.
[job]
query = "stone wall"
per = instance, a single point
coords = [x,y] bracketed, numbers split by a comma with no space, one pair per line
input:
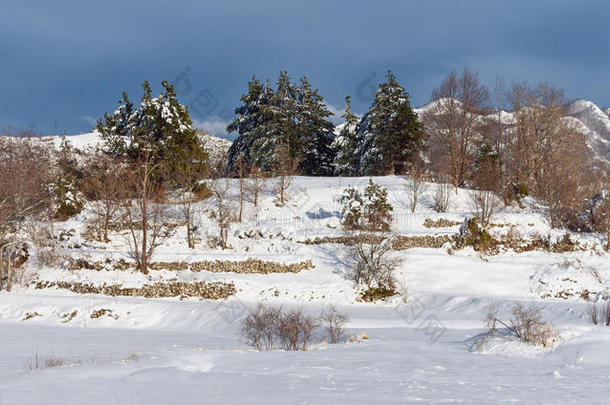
[200,289]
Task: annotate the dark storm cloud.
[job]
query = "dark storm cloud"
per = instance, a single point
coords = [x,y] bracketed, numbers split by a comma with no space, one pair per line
[66,62]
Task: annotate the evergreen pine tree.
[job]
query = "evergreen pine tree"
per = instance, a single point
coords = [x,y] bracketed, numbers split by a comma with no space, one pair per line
[115,128]
[315,132]
[390,132]
[346,143]
[284,111]
[161,129]
[253,147]
[292,117]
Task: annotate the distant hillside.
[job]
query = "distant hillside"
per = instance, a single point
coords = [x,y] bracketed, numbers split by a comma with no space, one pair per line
[588,117]
[215,146]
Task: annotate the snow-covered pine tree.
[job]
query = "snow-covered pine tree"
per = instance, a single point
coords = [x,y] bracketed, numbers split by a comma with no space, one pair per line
[284,111]
[160,128]
[249,117]
[390,132]
[315,132]
[115,128]
[293,117]
[345,144]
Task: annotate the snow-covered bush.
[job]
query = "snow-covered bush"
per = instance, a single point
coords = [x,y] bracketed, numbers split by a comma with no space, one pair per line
[367,211]
[472,233]
[69,201]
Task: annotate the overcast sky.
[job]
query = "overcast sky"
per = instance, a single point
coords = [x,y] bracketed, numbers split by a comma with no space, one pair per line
[64,63]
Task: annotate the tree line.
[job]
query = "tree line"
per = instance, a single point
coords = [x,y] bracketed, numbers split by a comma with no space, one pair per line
[151,150]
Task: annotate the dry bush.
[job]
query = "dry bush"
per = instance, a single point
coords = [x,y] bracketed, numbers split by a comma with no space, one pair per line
[40,363]
[334,322]
[441,198]
[415,188]
[525,324]
[295,329]
[599,315]
[292,329]
[372,263]
[186,175]
[529,326]
[485,205]
[259,327]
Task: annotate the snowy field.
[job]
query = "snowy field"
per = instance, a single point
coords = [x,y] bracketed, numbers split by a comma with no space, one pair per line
[172,351]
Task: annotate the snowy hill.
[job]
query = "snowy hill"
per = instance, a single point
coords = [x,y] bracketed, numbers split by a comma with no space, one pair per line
[215,146]
[185,348]
[595,125]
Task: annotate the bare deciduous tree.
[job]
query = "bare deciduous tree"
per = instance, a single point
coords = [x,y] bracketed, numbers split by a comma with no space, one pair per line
[415,188]
[106,192]
[187,176]
[220,188]
[454,124]
[242,173]
[285,167]
[24,175]
[145,215]
[256,184]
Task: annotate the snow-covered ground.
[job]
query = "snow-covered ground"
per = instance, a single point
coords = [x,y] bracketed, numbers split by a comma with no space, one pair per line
[172,351]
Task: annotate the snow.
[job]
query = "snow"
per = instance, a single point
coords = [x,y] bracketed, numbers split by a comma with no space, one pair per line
[164,351]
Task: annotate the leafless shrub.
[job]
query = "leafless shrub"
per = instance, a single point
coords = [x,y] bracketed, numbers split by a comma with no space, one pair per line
[334,322]
[295,329]
[373,264]
[529,326]
[485,205]
[40,363]
[599,315]
[259,327]
[525,324]
[415,188]
[224,211]
[441,199]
